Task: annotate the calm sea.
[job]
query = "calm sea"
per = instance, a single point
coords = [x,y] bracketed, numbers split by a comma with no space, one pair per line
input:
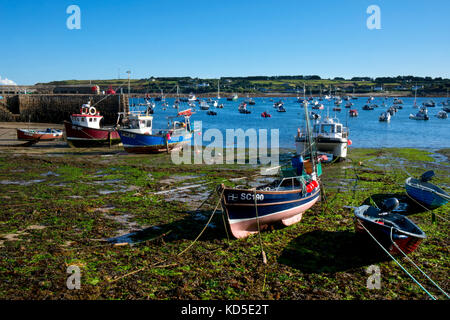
[365,130]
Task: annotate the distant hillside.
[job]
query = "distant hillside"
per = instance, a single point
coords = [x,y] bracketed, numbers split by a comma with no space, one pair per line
[267,84]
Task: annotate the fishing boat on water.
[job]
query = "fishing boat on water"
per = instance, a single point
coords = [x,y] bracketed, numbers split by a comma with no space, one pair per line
[426,193]
[281,109]
[393,231]
[84,129]
[385,116]
[204,105]
[243,108]
[353,113]
[39,135]
[284,200]
[138,136]
[442,115]
[421,115]
[192,98]
[329,135]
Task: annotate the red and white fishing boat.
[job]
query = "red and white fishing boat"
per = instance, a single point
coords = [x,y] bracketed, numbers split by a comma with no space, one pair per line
[39,135]
[84,129]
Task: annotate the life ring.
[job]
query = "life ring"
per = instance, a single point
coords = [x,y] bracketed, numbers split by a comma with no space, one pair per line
[92,111]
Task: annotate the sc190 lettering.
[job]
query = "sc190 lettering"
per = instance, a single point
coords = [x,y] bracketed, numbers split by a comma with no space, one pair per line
[251,196]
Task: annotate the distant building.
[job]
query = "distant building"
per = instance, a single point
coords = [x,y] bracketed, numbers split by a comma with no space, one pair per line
[77,89]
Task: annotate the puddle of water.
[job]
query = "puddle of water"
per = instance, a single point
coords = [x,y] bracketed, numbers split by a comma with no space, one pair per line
[136,236]
[50,173]
[106,181]
[105,209]
[22,183]
[62,184]
[176,179]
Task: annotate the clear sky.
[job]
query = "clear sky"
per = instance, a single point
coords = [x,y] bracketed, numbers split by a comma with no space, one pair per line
[214,38]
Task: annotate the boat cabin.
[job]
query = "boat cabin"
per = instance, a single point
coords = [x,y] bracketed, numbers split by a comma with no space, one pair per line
[88,117]
[138,123]
[330,128]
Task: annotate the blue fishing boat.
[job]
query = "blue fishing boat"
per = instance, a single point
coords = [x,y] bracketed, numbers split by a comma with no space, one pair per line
[425,192]
[284,200]
[137,133]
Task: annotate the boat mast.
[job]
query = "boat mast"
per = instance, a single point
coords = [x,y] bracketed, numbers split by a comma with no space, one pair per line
[309,137]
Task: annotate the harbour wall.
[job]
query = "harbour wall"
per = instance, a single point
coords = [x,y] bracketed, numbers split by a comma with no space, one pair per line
[53,108]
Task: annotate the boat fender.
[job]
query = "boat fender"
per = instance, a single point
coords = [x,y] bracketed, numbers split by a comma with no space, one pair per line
[311,186]
[92,111]
[168,136]
[349,142]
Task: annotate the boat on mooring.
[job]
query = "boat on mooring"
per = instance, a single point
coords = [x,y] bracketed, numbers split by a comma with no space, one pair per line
[426,193]
[39,135]
[422,114]
[84,129]
[284,200]
[385,116]
[329,135]
[138,136]
[395,232]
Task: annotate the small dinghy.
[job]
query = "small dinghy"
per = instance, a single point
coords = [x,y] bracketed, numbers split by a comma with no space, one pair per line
[211,113]
[392,230]
[39,135]
[265,114]
[425,192]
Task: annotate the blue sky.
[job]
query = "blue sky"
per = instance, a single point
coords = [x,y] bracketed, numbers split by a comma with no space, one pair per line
[222,38]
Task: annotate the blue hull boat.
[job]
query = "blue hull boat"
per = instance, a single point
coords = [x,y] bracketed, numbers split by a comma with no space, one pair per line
[426,193]
[145,143]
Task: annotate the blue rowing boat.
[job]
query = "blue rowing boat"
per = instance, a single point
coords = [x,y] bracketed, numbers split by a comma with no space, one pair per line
[426,193]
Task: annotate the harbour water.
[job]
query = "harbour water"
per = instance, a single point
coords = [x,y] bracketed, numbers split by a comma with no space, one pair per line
[366,131]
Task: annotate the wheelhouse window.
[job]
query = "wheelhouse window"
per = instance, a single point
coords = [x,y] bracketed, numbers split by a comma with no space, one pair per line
[327,128]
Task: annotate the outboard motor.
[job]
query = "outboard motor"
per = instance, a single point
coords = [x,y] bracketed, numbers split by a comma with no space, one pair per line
[427,176]
[390,204]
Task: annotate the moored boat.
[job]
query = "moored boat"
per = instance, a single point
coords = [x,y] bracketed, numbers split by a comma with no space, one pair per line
[138,137]
[425,192]
[330,136]
[84,129]
[392,230]
[284,200]
[39,135]
[385,116]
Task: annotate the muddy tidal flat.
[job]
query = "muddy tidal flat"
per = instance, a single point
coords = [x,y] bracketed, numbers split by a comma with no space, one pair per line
[129,222]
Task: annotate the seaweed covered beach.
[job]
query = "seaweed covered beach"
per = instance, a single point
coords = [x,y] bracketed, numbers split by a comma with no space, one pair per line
[131,223]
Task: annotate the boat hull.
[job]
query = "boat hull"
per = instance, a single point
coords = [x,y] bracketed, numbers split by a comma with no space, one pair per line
[407,244]
[79,136]
[31,136]
[143,143]
[338,147]
[272,207]
[424,197]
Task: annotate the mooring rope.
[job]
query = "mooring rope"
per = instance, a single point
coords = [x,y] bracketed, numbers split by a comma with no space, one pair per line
[414,279]
[410,260]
